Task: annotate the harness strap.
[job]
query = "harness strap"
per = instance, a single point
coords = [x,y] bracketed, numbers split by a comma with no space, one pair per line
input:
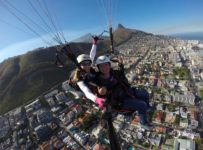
[122,110]
[123,85]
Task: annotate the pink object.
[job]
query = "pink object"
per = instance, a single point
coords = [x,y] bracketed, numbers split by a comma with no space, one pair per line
[95,39]
[100,102]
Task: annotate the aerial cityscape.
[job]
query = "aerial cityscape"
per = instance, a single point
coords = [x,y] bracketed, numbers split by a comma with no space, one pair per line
[101,75]
[171,71]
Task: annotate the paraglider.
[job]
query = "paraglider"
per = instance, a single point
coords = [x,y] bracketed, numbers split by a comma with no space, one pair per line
[63,49]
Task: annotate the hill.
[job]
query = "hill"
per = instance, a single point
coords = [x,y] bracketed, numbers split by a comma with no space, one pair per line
[87,38]
[25,77]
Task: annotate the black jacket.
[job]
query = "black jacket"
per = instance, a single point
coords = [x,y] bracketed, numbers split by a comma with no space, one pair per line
[117,86]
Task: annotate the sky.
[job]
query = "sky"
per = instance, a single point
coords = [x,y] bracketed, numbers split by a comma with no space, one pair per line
[27,24]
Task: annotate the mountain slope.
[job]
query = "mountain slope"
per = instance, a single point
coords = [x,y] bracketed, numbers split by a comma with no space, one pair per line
[87,38]
[25,77]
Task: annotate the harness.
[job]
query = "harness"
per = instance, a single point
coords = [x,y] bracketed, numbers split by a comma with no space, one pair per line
[88,79]
[117,87]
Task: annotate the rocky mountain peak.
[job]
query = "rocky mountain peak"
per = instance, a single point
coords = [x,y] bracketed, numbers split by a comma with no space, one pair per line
[121,26]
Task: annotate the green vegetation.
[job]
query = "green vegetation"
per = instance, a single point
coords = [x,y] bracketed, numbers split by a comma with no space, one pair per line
[198,140]
[182,72]
[150,115]
[199,143]
[146,144]
[157,90]
[23,82]
[28,87]
[177,120]
[89,122]
[171,107]
[168,136]
[44,102]
[201,93]
[183,137]
[155,147]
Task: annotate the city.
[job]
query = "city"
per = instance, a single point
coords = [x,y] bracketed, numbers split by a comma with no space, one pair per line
[172,72]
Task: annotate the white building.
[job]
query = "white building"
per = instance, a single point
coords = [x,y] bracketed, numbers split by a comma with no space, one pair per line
[35,105]
[51,101]
[61,97]
[188,98]
[50,94]
[65,85]
[184,144]
[97,131]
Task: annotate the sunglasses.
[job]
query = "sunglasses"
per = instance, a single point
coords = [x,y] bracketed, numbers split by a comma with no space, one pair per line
[85,63]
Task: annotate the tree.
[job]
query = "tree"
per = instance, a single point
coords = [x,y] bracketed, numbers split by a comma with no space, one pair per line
[201,93]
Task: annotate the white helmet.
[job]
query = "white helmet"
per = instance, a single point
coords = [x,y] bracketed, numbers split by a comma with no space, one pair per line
[102,59]
[83,57]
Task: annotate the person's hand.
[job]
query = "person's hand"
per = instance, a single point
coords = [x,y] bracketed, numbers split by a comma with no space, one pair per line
[100,102]
[120,60]
[102,90]
[98,147]
[95,39]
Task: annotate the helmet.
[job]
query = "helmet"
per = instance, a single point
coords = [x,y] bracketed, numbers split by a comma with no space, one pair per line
[83,57]
[102,59]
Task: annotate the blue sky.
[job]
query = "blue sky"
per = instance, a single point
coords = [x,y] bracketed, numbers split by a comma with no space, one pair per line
[78,17]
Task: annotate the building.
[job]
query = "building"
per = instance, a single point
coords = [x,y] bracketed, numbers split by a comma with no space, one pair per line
[97,131]
[170,117]
[50,94]
[4,126]
[168,145]
[44,116]
[65,85]
[193,124]
[77,109]
[61,97]
[155,139]
[35,105]
[158,117]
[183,122]
[184,144]
[188,98]
[51,102]
[43,132]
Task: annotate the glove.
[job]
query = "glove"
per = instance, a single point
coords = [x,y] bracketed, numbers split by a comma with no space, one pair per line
[100,102]
[95,39]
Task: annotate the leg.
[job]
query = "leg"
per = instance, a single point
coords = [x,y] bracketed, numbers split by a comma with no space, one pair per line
[141,94]
[136,105]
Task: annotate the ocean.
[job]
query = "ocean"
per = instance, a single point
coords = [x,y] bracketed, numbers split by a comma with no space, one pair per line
[190,36]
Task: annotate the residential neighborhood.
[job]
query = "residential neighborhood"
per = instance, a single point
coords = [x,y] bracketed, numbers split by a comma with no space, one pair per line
[171,70]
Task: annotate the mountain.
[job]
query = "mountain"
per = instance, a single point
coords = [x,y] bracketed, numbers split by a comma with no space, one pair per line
[25,77]
[120,26]
[87,38]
